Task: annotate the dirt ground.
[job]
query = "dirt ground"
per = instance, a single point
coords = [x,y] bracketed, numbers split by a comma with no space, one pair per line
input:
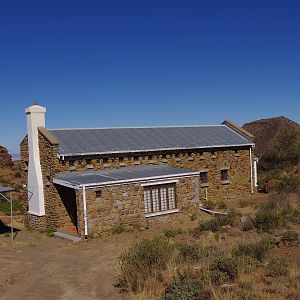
[35,266]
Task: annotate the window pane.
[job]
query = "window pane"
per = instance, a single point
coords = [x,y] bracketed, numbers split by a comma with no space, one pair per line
[203,177]
[155,200]
[224,175]
[147,201]
[171,195]
[163,198]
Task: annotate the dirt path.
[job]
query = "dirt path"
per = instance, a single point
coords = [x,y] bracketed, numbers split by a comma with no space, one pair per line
[39,267]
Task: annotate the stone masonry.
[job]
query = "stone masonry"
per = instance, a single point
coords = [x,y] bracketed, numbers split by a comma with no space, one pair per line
[124,203]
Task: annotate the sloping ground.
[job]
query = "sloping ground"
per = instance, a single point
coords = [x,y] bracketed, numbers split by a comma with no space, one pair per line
[266,132]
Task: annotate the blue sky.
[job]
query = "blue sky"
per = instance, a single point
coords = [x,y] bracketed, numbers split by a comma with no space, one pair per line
[131,63]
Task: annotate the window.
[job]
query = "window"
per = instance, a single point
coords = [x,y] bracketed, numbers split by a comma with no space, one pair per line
[98,194]
[224,175]
[203,177]
[159,198]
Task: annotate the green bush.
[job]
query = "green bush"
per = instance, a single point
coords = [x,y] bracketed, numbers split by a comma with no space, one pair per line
[223,269]
[118,229]
[245,291]
[222,205]
[266,220]
[279,210]
[257,250]
[248,225]
[277,266]
[215,224]
[144,259]
[208,204]
[290,236]
[194,252]
[247,264]
[172,232]
[289,184]
[186,289]
[243,203]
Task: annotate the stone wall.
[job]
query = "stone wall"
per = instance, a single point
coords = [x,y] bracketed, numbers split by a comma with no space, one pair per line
[124,205]
[237,160]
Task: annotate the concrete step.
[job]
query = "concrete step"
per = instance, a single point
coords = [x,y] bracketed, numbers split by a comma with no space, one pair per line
[67,236]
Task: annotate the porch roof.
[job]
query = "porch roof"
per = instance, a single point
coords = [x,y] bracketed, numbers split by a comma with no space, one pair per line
[79,179]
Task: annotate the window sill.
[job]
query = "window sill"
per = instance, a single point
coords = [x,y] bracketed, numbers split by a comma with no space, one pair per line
[225,182]
[204,185]
[161,213]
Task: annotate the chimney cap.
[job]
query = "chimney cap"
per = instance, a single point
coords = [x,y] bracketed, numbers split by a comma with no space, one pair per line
[35,109]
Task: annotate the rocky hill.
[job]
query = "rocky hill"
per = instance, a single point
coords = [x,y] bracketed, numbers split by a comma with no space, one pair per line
[5,157]
[266,132]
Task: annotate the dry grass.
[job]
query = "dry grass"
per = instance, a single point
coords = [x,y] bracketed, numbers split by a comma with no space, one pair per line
[251,282]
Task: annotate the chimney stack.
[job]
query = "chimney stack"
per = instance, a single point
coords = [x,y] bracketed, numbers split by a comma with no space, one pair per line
[35,118]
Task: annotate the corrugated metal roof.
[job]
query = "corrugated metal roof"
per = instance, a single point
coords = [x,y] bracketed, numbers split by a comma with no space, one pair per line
[74,142]
[113,176]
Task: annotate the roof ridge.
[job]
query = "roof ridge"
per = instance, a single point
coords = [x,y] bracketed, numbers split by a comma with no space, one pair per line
[139,127]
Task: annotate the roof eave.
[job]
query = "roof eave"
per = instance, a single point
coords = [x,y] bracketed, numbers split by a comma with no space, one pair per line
[62,155]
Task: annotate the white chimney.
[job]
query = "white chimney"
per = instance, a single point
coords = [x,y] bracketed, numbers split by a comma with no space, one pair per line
[35,118]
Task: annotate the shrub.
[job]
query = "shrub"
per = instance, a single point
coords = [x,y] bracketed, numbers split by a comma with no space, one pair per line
[194,252]
[277,266]
[266,220]
[289,184]
[247,264]
[245,291]
[215,224]
[257,250]
[290,236]
[186,289]
[248,225]
[223,269]
[278,211]
[172,232]
[144,259]
[48,231]
[243,203]
[208,204]
[222,205]
[118,229]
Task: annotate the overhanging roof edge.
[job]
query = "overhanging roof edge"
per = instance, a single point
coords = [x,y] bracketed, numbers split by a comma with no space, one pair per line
[154,150]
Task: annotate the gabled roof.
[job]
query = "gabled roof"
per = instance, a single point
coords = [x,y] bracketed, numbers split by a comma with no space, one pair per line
[79,179]
[76,142]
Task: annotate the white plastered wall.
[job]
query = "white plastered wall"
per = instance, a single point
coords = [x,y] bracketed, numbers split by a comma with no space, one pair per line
[35,118]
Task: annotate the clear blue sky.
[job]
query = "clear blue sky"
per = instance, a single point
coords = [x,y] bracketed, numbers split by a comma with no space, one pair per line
[131,63]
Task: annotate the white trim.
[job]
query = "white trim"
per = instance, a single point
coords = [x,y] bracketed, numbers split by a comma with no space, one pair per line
[116,182]
[66,184]
[161,213]
[251,171]
[84,212]
[154,150]
[160,182]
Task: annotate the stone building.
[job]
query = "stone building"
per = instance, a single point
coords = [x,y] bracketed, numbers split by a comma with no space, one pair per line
[89,181]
